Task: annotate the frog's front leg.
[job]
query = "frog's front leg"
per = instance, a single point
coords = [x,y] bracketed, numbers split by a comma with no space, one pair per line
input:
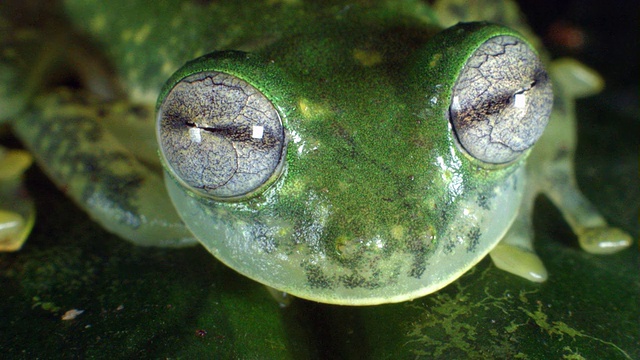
[102,175]
[594,234]
[551,171]
[556,178]
[515,252]
[17,212]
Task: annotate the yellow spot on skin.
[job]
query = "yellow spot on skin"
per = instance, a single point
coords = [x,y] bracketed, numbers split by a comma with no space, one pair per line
[126,35]
[397,232]
[168,68]
[347,246]
[295,187]
[366,57]
[284,232]
[309,109]
[304,107]
[435,60]
[99,23]
[199,52]
[142,34]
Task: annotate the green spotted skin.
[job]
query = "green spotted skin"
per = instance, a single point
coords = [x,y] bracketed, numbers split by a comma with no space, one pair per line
[90,165]
[371,204]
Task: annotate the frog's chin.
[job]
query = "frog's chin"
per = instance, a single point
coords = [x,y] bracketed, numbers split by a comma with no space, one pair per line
[479,224]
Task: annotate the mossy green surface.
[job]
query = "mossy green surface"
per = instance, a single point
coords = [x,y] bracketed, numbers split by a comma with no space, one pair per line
[136,302]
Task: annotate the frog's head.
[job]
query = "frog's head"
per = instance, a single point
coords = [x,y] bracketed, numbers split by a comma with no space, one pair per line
[321,169]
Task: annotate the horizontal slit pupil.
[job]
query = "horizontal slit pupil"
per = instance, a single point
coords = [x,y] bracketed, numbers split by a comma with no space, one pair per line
[235,133]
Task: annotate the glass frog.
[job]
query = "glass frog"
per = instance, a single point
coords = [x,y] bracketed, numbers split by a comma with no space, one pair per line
[349,153]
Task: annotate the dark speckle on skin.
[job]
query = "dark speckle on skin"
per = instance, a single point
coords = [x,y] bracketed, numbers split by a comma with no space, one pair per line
[359,281]
[418,267]
[111,184]
[264,239]
[419,250]
[483,201]
[473,239]
[449,246]
[315,277]
[352,281]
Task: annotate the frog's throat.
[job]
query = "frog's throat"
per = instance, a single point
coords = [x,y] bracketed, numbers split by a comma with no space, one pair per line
[297,269]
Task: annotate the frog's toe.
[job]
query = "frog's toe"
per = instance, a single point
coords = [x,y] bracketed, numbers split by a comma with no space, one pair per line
[519,261]
[14,229]
[18,213]
[13,163]
[603,240]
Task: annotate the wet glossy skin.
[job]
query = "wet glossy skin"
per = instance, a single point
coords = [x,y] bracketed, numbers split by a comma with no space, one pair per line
[376,201]
[373,198]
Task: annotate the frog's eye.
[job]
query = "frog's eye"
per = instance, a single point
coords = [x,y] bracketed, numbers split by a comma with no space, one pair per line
[220,136]
[501,101]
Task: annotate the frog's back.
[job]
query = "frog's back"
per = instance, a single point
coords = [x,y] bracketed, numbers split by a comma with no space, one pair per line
[147,44]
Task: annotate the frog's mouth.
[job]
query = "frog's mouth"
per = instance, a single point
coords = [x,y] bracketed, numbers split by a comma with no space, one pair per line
[359,271]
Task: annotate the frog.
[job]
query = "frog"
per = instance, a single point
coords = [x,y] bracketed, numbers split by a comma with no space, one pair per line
[351,153]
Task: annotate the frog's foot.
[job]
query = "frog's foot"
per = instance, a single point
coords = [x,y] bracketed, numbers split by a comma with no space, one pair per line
[558,174]
[594,234]
[14,229]
[519,261]
[18,212]
[603,240]
[514,253]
